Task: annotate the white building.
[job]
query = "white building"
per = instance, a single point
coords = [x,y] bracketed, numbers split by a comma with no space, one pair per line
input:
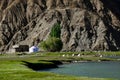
[33,49]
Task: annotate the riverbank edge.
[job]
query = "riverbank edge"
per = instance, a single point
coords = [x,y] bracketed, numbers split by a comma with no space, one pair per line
[49,64]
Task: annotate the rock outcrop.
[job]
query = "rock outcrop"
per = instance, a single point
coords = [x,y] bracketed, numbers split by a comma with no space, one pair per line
[85,24]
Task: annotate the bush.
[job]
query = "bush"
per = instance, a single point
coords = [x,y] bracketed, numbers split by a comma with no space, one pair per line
[52,44]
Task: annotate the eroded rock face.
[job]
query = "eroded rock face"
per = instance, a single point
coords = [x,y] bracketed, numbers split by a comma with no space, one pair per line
[85,24]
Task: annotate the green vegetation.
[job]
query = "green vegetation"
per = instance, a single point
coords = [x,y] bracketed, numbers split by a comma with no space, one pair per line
[55,31]
[18,67]
[53,43]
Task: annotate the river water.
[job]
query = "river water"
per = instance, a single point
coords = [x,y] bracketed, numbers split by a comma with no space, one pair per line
[90,69]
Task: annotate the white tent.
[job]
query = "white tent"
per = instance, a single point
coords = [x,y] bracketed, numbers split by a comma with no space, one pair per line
[33,49]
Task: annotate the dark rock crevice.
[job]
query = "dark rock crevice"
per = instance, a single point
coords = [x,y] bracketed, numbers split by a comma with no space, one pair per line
[113,6]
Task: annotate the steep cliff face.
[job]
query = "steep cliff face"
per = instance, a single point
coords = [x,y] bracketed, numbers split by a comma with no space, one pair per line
[85,24]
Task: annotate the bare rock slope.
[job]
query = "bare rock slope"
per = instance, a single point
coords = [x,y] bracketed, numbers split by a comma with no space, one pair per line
[85,24]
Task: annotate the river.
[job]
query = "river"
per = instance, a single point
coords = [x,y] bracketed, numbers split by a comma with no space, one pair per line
[106,69]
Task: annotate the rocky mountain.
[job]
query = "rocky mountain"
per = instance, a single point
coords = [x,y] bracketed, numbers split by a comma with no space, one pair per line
[85,24]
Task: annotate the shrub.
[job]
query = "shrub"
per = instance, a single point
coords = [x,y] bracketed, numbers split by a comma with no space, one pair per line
[52,44]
